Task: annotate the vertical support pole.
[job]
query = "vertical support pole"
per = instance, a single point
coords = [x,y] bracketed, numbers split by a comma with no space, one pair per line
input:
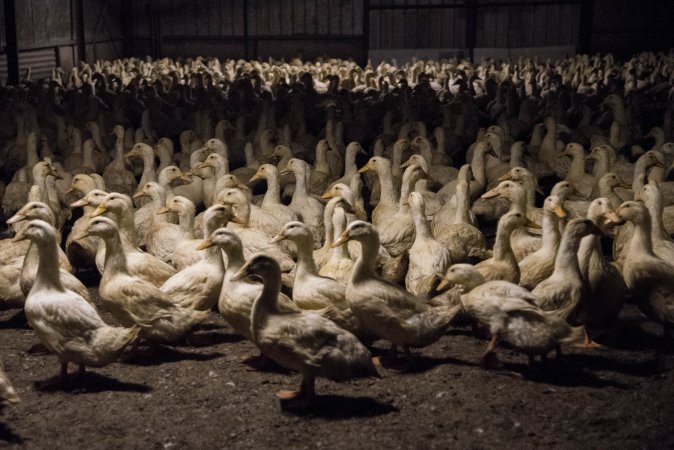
[12,46]
[127,24]
[366,29]
[471,27]
[585,26]
[79,30]
[246,43]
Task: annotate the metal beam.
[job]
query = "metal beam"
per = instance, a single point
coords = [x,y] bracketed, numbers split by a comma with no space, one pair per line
[12,46]
[79,30]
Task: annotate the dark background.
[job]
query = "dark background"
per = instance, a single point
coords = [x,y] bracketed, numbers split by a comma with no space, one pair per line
[62,32]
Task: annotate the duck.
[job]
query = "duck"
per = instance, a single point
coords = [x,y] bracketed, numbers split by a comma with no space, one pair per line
[461,236]
[308,209]
[247,171]
[663,245]
[339,263]
[198,286]
[427,256]
[581,181]
[388,199]
[254,237]
[350,168]
[503,265]
[385,309]
[66,323]
[396,233]
[214,217]
[162,236]
[219,166]
[606,288]
[320,175]
[351,195]
[302,341]
[649,278]
[523,242]
[271,203]
[236,298]
[510,314]
[140,264]
[252,215]
[185,210]
[133,301]
[539,265]
[40,211]
[145,152]
[564,289]
[82,254]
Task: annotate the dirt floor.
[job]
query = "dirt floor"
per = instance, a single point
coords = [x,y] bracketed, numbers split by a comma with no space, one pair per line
[621,396]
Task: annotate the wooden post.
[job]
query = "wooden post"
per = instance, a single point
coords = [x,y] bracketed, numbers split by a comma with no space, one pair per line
[585,26]
[79,30]
[471,27]
[246,43]
[12,46]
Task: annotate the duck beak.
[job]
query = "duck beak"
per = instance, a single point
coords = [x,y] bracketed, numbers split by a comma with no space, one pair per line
[560,212]
[254,178]
[19,237]
[139,194]
[71,189]
[278,238]
[204,244]
[327,195]
[613,218]
[531,224]
[99,211]
[444,282]
[242,186]
[242,273]
[491,194]
[365,168]
[506,176]
[405,164]
[16,218]
[163,210]
[237,219]
[342,239]
[79,203]
[624,185]
[84,234]
[129,154]
[284,172]
[186,177]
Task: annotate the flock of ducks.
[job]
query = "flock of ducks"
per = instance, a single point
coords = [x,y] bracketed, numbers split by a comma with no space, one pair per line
[321,207]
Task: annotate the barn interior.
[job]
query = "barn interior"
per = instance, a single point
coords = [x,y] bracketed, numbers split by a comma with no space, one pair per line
[336,223]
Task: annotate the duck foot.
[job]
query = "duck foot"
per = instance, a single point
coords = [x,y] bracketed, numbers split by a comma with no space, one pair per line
[298,400]
[257,362]
[587,343]
[289,395]
[393,362]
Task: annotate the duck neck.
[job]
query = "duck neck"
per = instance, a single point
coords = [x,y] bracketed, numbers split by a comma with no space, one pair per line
[503,250]
[478,166]
[115,257]
[566,261]
[551,232]
[186,222]
[234,259]
[305,258]
[127,228]
[577,167]
[267,300]
[590,247]
[422,227]
[48,274]
[655,209]
[273,194]
[148,167]
[364,268]
[300,185]
[350,167]
[387,194]
[462,213]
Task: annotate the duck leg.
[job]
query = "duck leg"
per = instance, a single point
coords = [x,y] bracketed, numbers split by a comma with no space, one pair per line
[61,378]
[587,342]
[387,359]
[489,358]
[302,398]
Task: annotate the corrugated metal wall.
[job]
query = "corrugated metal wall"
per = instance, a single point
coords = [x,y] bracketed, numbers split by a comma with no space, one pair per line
[46,33]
